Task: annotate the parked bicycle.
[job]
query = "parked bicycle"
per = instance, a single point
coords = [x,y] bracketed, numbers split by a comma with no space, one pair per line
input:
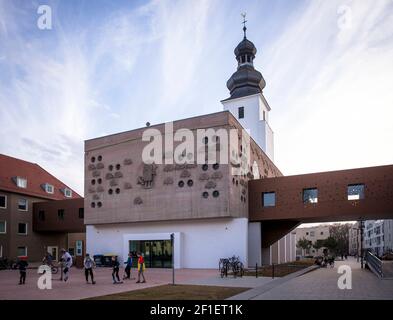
[233,265]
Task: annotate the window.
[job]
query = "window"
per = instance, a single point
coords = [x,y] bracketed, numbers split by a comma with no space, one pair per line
[205,167]
[60,214]
[49,188]
[312,233]
[3,227]
[21,182]
[241,113]
[81,213]
[3,202]
[41,215]
[310,195]
[321,233]
[269,199]
[21,251]
[22,205]
[355,191]
[22,228]
[67,193]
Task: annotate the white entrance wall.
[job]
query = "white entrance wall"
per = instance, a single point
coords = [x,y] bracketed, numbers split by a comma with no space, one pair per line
[198,243]
[254,244]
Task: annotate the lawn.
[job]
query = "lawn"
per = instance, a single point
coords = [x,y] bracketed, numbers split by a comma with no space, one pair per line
[177,292]
[281,270]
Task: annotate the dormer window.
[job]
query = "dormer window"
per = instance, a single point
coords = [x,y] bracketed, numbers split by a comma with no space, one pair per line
[67,192]
[49,188]
[21,182]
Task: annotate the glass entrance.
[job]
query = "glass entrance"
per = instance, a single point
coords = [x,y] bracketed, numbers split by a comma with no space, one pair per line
[157,253]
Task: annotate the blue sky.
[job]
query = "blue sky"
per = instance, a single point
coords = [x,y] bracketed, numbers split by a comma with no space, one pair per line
[111,66]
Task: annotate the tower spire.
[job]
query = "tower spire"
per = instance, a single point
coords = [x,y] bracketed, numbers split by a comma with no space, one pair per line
[244,24]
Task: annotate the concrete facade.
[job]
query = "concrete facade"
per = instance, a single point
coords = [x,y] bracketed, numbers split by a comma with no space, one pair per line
[312,234]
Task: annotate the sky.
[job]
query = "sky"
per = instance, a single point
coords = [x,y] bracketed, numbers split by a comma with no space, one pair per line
[110,66]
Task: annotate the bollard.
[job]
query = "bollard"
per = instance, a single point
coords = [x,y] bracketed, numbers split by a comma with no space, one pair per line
[272,270]
[256,270]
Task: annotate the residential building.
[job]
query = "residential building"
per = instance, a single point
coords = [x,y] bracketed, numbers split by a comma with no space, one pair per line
[312,234]
[23,186]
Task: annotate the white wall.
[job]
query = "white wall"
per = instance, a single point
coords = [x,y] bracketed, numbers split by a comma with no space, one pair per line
[254,244]
[253,121]
[200,244]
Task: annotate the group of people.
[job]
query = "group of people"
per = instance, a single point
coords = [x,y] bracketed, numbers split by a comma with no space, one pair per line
[88,265]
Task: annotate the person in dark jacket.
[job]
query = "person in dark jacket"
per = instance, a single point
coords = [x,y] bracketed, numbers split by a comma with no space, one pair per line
[22,266]
[128,264]
[115,270]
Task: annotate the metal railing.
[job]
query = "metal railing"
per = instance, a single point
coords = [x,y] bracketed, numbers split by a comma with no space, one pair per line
[374,264]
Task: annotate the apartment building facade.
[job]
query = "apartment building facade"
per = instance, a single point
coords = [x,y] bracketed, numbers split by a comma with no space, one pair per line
[23,185]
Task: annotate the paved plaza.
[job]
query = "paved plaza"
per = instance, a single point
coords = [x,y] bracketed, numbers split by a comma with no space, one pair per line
[76,288]
[321,284]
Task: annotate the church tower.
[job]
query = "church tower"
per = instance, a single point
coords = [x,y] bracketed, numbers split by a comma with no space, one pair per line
[246,101]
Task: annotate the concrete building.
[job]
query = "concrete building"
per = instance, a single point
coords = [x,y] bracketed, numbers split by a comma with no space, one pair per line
[378,236]
[312,234]
[138,205]
[354,239]
[25,188]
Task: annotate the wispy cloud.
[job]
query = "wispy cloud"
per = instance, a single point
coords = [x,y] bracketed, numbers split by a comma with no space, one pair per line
[329,88]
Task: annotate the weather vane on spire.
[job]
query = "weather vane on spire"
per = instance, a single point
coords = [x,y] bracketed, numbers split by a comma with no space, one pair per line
[244,23]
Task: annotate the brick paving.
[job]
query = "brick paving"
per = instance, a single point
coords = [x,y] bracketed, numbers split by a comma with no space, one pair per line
[321,284]
[76,288]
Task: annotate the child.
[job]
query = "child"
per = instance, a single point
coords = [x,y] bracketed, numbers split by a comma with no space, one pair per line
[89,263]
[128,264]
[22,266]
[141,268]
[115,270]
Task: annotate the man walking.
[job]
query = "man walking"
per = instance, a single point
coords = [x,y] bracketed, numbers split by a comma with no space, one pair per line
[141,268]
[89,264]
[67,260]
[128,264]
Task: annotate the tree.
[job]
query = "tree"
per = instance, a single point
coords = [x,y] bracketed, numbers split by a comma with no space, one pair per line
[340,232]
[331,244]
[304,244]
[319,244]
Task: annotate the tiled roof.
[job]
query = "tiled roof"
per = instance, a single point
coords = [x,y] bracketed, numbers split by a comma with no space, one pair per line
[36,177]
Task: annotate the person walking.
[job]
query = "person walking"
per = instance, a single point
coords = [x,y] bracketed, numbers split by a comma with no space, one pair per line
[128,264]
[67,261]
[22,266]
[89,264]
[141,268]
[115,270]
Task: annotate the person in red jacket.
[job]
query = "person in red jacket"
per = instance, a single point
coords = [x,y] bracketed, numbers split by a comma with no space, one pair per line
[141,268]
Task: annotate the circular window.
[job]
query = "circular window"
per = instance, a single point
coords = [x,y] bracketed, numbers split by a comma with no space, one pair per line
[93,204]
[93,159]
[205,195]
[205,140]
[110,191]
[190,183]
[216,194]
[93,182]
[216,166]
[99,204]
[110,168]
[99,158]
[99,181]
[181,184]
[117,190]
[205,167]
[118,167]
